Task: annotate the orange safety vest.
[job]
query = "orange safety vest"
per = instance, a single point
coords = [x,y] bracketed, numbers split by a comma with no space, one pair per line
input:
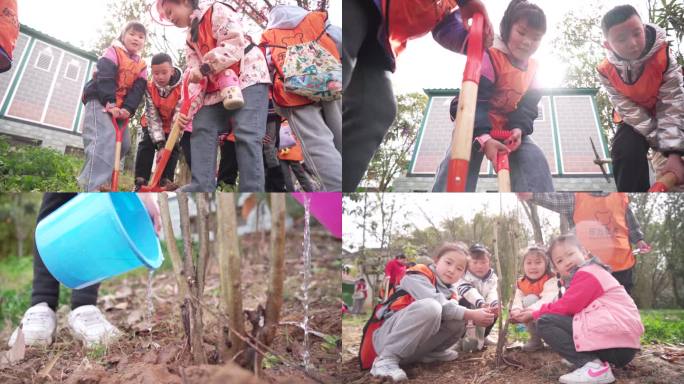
[410,19]
[166,106]
[309,29]
[9,30]
[206,41]
[601,228]
[128,72]
[396,302]
[510,86]
[644,91]
[529,287]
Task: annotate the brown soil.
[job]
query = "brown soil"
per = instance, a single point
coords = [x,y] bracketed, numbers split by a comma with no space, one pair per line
[161,356]
[537,368]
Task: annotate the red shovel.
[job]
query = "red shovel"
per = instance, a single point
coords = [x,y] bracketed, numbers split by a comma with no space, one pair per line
[664,183]
[165,153]
[503,169]
[462,136]
[117,152]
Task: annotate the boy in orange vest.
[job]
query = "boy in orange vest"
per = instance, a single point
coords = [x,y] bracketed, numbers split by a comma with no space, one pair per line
[161,101]
[604,224]
[644,84]
[9,31]
[380,33]
[115,91]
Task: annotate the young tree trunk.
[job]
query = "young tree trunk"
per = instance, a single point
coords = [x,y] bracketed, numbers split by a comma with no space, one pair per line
[203,229]
[275,286]
[184,289]
[532,212]
[564,223]
[228,252]
[192,303]
[171,246]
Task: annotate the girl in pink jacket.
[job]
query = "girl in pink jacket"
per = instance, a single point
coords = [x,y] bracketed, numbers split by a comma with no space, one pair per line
[595,322]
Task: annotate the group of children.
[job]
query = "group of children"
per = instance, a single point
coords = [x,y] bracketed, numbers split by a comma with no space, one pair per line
[232,82]
[640,74]
[567,298]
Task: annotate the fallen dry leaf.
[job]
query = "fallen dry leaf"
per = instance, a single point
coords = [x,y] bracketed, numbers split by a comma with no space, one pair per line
[16,353]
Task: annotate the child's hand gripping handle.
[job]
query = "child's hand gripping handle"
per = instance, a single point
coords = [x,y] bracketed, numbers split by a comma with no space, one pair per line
[462,136]
[664,183]
[503,169]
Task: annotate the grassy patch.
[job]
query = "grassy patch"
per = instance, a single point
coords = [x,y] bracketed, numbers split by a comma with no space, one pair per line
[16,276]
[663,326]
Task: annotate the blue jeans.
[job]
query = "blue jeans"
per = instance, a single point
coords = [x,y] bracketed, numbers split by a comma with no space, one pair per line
[250,128]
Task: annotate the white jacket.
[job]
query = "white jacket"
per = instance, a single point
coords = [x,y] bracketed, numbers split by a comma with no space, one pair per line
[478,291]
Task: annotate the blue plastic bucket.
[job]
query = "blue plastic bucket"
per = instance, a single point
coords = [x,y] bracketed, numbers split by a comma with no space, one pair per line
[95,236]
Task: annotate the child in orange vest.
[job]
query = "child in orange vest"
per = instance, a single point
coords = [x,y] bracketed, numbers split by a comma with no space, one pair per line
[116,90]
[507,98]
[381,32]
[422,319]
[318,124]
[605,225]
[595,323]
[537,286]
[215,43]
[161,101]
[644,83]
[9,31]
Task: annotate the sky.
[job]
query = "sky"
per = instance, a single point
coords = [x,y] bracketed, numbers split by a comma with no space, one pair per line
[78,21]
[437,206]
[425,64]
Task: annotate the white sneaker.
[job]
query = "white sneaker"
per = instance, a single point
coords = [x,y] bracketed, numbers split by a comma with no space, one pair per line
[39,326]
[89,325]
[388,367]
[447,355]
[592,372]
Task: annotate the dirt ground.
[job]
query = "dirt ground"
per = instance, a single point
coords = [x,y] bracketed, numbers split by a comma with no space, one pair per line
[161,356]
[544,366]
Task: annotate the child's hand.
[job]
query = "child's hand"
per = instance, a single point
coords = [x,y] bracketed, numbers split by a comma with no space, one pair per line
[183,119]
[470,9]
[115,112]
[195,76]
[525,316]
[675,165]
[513,142]
[481,317]
[492,148]
[643,246]
[124,114]
[495,308]
[513,317]
[152,208]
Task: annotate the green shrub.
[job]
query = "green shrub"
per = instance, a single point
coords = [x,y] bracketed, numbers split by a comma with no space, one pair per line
[663,326]
[28,168]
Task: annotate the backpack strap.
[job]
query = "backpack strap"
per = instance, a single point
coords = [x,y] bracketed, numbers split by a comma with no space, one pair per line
[322,33]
